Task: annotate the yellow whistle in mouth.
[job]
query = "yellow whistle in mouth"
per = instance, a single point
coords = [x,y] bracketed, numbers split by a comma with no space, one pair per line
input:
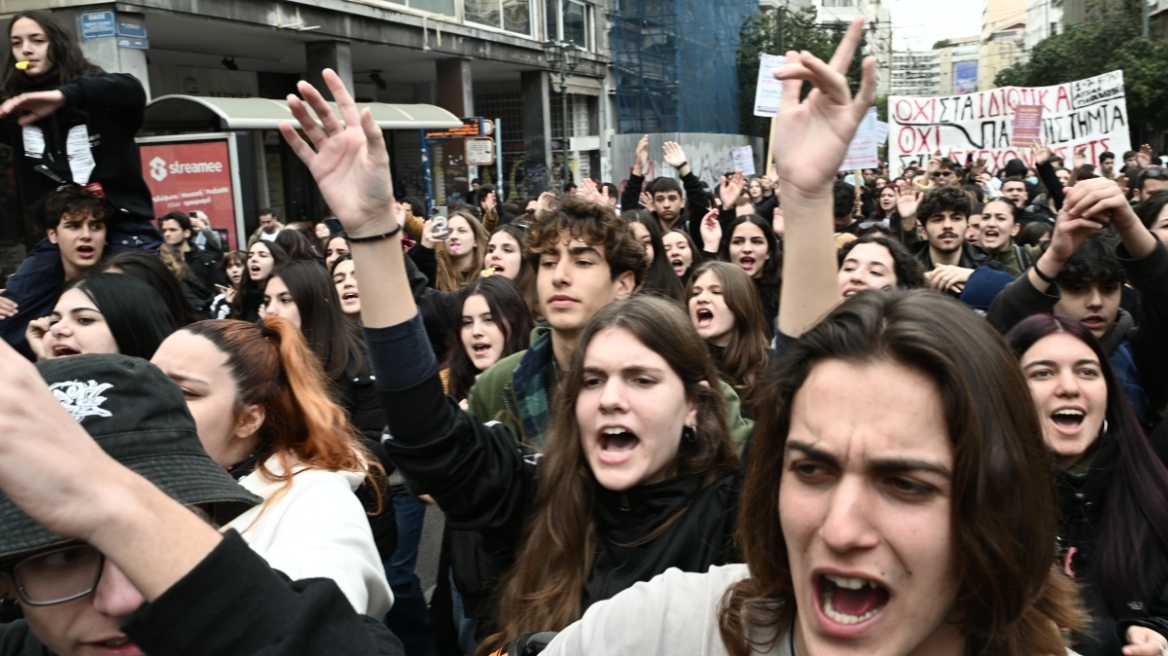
[22,65]
[490,271]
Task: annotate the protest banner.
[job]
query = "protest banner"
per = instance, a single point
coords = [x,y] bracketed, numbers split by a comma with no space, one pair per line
[1090,113]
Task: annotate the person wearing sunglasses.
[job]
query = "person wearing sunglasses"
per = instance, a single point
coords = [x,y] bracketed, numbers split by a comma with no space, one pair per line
[1152,179]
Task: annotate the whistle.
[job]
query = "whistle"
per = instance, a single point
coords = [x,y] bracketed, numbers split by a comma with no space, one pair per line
[22,65]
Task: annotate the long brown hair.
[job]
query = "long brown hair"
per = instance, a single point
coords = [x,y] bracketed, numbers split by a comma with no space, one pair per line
[545,588]
[273,368]
[1010,600]
[69,63]
[450,278]
[745,358]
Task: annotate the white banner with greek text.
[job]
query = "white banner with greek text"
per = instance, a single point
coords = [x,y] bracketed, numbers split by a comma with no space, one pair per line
[1090,113]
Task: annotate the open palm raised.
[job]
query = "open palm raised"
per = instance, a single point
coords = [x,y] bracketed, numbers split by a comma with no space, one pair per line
[347,157]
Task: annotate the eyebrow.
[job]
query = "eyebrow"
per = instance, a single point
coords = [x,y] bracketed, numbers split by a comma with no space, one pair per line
[873,263]
[179,377]
[1052,363]
[881,465]
[583,250]
[632,369]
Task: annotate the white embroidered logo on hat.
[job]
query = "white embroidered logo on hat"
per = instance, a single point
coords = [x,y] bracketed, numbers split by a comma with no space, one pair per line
[82,399]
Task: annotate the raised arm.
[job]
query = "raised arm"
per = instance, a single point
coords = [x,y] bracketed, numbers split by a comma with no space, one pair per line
[810,140]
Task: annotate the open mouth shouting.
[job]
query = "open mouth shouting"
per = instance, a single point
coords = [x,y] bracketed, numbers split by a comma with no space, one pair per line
[86,252]
[678,265]
[616,445]
[845,604]
[991,237]
[350,298]
[747,262]
[703,318]
[852,291]
[1069,420]
[480,349]
[255,271]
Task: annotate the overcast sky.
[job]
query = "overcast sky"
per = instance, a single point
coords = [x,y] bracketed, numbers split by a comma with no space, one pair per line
[918,24]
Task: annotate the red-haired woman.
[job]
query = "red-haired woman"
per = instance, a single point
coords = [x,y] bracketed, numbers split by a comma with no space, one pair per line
[263,411]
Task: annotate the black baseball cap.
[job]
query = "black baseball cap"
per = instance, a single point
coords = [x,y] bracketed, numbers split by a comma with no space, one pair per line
[139,417]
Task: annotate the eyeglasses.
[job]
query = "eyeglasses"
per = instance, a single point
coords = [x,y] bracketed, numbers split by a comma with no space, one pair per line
[57,576]
[1154,173]
[942,174]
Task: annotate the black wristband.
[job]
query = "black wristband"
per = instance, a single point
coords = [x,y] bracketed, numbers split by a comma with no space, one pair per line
[679,166]
[366,240]
[1042,276]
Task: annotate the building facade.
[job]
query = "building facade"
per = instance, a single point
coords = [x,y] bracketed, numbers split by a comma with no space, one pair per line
[958,65]
[471,57]
[915,73]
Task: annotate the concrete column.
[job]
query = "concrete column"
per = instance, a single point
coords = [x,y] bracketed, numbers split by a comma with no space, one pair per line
[337,55]
[537,131]
[455,87]
[105,51]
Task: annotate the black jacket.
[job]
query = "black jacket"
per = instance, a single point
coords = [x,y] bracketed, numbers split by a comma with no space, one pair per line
[486,485]
[1082,497]
[111,106]
[697,203]
[233,604]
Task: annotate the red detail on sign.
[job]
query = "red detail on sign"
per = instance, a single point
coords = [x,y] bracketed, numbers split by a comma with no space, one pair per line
[188,176]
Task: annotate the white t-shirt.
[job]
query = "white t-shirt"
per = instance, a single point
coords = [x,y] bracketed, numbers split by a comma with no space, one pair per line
[269,236]
[317,529]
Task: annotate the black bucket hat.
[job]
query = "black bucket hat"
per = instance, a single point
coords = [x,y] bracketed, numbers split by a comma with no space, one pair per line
[139,417]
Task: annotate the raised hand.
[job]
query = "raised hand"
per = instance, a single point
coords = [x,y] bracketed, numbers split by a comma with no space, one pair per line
[1070,231]
[35,105]
[646,200]
[979,166]
[488,203]
[731,189]
[1100,200]
[778,223]
[1080,157]
[811,137]
[1042,153]
[1144,157]
[642,156]
[907,201]
[546,200]
[590,192]
[347,159]
[711,232]
[34,334]
[673,154]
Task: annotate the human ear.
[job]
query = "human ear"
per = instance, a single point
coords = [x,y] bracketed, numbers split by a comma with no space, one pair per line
[624,284]
[249,421]
[51,233]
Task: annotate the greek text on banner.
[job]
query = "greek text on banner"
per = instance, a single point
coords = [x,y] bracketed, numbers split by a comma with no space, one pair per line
[1090,113]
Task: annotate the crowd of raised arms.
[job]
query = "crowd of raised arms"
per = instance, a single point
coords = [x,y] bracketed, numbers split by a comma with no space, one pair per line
[794,414]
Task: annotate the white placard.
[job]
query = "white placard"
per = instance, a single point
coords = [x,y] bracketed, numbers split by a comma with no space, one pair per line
[769,91]
[862,150]
[743,159]
[881,132]
[480,151]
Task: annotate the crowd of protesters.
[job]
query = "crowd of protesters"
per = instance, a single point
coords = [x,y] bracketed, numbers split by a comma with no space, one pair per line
[800,413]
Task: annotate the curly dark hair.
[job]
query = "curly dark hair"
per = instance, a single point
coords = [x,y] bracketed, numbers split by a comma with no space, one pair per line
[1149,209]
[1094,262]
[909,272]
[594,224]
[951,199]
[72,199]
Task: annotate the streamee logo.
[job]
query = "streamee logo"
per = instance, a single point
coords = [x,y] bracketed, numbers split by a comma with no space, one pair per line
[160,169]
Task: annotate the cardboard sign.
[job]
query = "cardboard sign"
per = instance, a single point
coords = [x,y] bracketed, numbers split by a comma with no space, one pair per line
[1027,125]
[184,177]
[743,159]
[769,92]
[1090,114]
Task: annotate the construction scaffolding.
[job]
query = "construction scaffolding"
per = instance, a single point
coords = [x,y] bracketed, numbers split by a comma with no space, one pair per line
[674,64]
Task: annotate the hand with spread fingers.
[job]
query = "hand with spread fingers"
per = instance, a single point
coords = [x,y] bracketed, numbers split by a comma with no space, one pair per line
[347,157]
[811,137]
[35,106]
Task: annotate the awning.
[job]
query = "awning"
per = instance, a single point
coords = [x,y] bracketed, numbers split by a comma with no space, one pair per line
[204,113]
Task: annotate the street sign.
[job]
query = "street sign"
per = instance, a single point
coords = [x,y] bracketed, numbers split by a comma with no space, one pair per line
[480,151]
[97,24]
[470,128]
[131,30]
[137,44]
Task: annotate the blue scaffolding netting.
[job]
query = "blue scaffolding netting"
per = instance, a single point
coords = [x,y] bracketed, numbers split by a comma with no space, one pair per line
[674,64]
